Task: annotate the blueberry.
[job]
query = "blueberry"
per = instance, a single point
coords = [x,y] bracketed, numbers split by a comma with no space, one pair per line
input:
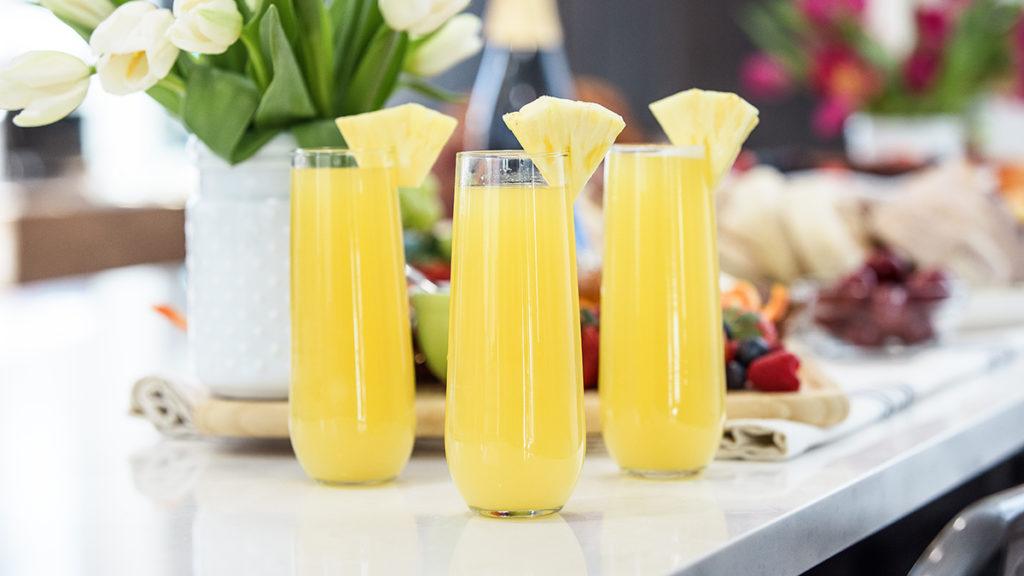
[735,376]
[751,350]
[728,331]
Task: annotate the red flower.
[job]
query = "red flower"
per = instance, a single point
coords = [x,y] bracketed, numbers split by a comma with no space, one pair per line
[838,73]
[921,68]
[765,78]
[829,116]
[831,12]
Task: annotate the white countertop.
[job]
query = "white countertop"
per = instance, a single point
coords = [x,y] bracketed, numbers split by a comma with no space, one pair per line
[87,489]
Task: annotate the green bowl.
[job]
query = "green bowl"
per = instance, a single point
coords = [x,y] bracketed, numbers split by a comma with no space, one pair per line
[432,330]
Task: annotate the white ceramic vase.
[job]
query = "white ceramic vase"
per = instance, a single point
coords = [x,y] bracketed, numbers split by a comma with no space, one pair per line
[237,233]
[873,139]
[999,126]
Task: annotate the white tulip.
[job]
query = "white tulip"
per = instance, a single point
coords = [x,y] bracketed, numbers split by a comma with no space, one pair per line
[205,26]
[419,17]
[890,23]
[458,40]
[85,13]
[133,48]
[45,85]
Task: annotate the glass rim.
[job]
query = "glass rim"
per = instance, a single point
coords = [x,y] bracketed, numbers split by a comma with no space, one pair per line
[517,154]
[694,151]
[337,151]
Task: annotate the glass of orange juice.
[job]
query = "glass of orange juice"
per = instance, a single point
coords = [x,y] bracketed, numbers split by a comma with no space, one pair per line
[352,414]
[662,380]
[514,424]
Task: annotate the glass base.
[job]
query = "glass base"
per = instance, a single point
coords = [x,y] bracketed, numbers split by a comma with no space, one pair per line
[514,513]
[663,474]
[354,483]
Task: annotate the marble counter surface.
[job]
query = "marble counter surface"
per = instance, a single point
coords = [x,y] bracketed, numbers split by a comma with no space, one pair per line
[87,489]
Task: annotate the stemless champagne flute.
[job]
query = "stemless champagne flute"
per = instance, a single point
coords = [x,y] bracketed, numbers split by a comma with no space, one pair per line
[662,380]
[352,417]
[514,424]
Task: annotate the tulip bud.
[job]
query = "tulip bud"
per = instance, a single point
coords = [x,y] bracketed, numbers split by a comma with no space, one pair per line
[85,13]
[45,85]
[205,26]
[419,17]
[457,40]
[133,49]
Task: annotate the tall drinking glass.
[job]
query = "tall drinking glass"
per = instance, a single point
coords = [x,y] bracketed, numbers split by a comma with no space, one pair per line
[514,424]
[662,379]
[352,415]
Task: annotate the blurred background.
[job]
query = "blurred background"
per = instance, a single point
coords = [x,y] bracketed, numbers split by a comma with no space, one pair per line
[106,187]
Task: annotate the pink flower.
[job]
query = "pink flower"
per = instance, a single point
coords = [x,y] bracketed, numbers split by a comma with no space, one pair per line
[921,68]
[838,72]
[831,12]
[1019,49]
[829,116]
[765,78]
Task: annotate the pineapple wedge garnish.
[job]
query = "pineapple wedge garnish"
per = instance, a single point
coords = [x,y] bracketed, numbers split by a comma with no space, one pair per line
[416,133]
[719,120]
[584,131]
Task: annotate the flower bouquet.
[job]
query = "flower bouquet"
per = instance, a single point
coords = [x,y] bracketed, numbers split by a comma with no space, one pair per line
[237,73]
[885,57]
[250,79]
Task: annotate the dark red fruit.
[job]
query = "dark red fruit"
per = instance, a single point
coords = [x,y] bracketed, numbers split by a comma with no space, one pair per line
[928,285]
[775,372]
[889,308]
[730,350]
[590,343]
[918,327]
[888,267]
[735,376]
[435,270]
[863,333]
[857,286]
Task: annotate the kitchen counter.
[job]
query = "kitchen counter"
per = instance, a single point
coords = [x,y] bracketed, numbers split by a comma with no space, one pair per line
[87,489]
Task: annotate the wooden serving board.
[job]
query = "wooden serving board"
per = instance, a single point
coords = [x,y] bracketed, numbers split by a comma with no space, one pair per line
[819,402]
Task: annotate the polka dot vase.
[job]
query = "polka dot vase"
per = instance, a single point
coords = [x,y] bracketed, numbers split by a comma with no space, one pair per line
[237,232]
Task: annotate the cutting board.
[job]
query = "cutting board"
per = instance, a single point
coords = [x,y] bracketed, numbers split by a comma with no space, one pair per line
[819,402]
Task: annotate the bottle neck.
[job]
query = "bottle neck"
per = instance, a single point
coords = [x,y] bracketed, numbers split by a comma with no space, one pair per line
[523,25]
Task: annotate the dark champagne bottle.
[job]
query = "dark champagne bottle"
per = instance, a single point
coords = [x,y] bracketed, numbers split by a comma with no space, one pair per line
[523,58]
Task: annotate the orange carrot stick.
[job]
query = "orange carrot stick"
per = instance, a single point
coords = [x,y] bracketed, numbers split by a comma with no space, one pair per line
[172,315]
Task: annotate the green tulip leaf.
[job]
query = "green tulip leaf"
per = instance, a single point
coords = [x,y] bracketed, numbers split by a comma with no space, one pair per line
[218,108]
[377,75]
[251,143]
[362,21]
[286,99]
[316,51]
[318,134]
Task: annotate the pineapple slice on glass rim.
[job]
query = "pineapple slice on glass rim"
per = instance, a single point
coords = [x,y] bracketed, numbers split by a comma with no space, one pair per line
[583,131]
[416,133]
[717,121]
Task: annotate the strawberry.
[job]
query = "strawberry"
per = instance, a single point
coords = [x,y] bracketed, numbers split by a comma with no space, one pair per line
[590,340]
[435,270]
[730,350]
[775,372]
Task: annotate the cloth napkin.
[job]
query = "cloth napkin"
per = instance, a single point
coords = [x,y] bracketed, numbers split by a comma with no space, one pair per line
[877,389]
[168,406]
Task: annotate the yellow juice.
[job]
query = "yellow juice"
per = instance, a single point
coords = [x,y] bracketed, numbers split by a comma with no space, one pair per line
[662,380]
[515,434]
[352,395]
